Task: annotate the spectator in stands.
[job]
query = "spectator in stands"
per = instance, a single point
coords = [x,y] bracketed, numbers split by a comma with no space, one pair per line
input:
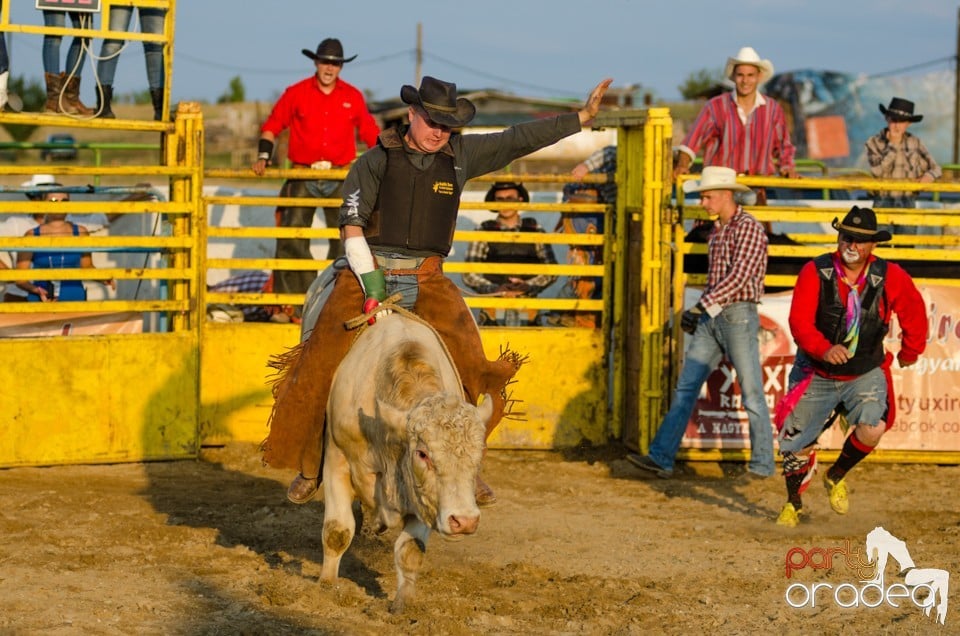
[248,282]
[151,21]
[63,85]
[602,161]
[56,224]
[893,153]
[503,285]
[324,114]
[742,130]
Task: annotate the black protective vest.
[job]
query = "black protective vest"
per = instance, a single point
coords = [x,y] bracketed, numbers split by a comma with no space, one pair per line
[510,252]
[831,317]
[416,210]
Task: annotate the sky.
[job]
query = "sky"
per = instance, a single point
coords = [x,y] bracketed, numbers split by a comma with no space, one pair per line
[535,48]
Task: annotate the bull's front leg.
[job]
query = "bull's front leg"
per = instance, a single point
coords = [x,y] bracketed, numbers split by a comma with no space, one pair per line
[339,524]
[408,554]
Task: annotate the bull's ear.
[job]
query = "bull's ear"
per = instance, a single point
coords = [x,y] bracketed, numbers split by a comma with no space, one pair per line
[485,408]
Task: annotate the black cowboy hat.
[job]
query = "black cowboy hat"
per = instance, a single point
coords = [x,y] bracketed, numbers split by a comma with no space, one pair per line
[507,185]
[440,101]
[861,224]
[330,50]
[900,110]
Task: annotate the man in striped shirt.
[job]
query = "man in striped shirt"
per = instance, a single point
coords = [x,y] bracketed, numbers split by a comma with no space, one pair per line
[724,321]
[742,130]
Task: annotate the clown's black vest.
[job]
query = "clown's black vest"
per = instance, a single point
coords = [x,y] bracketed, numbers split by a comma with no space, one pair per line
[416,210]
[831,317]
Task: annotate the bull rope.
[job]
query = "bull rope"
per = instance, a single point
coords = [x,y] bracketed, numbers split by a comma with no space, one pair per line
[361,322]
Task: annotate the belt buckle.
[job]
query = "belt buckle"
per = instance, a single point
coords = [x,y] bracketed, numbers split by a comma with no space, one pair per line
[321,165]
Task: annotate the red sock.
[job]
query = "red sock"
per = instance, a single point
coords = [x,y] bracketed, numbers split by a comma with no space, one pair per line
[853,451]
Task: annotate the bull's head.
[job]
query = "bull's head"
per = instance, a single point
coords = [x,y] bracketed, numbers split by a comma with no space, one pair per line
[445,446]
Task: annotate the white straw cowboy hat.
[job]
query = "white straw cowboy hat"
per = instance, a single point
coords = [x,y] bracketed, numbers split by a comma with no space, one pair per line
[38,181]
[748,56]
[717,178]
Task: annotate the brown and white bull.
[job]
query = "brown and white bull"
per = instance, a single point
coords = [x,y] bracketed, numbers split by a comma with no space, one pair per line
[401,438]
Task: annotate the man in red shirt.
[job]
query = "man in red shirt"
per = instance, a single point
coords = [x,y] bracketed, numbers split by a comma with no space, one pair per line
[325,115]
[839,316]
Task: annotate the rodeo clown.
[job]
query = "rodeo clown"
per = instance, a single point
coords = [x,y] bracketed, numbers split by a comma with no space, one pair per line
[839,316]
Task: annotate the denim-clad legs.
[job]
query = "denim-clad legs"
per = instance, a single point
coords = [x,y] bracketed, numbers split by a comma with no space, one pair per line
[51,45]
[734,332]
[151,21]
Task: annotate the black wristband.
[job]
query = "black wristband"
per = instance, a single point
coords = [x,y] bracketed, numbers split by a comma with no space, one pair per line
[264,149]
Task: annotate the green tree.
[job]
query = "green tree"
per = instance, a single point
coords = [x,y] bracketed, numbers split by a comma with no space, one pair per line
[34,96]
[699,82]
[235,92]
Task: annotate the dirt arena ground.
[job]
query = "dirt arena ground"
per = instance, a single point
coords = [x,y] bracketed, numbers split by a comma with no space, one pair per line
[580,543]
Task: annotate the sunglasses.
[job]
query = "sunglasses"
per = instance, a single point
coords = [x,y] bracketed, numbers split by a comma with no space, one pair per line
[849,238]
[507,198]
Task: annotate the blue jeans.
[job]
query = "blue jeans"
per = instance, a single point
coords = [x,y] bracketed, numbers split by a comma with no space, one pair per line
[151,21]
[51,45]
[734,333]
[898,202]
[864,398]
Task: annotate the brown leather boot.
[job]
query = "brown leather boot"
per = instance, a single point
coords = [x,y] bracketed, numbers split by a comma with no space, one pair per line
[484,493]
[54,83]
[303,489]
[71,99]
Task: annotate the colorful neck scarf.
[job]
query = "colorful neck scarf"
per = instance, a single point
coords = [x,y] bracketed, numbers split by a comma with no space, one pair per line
[852,337]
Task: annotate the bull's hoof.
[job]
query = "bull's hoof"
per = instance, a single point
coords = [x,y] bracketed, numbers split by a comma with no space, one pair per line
[484,494]
[302,489]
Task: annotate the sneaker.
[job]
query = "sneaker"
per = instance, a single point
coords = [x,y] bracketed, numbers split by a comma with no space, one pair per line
[644,462]
[789,516]
[838,495]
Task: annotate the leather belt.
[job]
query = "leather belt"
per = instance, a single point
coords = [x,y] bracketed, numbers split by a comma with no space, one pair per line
[387,262]
[316,165]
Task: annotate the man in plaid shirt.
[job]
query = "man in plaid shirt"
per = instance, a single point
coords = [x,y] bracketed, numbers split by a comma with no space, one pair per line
[724,321]
[742,129]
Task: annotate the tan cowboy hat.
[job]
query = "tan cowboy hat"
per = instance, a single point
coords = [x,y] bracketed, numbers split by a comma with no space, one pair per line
[747,55]
[440,101]
[717,178]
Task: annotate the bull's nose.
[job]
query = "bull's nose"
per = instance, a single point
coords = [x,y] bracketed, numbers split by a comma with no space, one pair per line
[463,524]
